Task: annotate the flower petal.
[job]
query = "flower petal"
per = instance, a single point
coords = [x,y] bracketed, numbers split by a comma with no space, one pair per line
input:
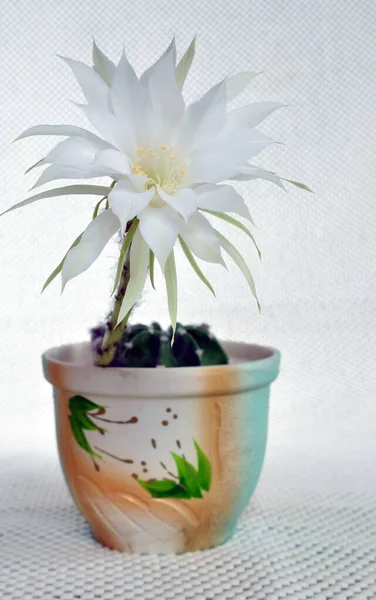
[240,262]
[103,65]
[93,240]
[111,162]
[241,144]
[237,83]
[164,93]
[250,115]
[212,168]
[138,181]
[65,130]
[250,172]
[98,190]
[172,290]
[221,198]
[171,49]
[130,102]
[184,201]
[160,228]
[185,63]
[95,89]
[139,263]
[107,125]
[201,238]
[54,172]
[75,152]
[126,202]
[205,117]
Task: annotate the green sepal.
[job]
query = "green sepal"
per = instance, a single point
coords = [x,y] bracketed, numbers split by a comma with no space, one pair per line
[151,268]
[60,266]
[192,261]
[236,223]
[302,186]
[96,208]
[123,253]
[172,290]
[39,162]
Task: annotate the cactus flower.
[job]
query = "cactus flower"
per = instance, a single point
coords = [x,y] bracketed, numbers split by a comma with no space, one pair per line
[170,164]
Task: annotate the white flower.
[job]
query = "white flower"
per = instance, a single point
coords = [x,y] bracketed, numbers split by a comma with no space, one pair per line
[166,161]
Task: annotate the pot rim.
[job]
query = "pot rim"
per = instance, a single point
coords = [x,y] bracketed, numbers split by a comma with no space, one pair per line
[251,366]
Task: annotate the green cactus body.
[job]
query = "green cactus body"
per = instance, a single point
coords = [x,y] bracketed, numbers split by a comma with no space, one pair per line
[150,346]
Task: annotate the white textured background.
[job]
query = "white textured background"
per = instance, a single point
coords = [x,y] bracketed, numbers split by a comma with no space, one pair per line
[310,529]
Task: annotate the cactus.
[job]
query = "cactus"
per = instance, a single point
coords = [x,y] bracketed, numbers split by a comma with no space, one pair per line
[150,346]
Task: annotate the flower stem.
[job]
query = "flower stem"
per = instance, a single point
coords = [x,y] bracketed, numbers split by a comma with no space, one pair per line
[114,334]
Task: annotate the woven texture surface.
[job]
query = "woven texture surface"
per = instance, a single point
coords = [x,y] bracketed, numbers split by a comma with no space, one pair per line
[310,530]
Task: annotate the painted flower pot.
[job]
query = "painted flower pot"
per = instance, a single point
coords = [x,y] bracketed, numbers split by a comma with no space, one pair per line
[162,460]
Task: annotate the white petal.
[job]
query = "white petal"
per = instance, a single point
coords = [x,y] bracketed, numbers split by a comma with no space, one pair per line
[165,95]
[138,181]
[201,238]
[106,124]
[183,201]
[250,115]
[54,172]
[130,101]
[252,172]
[65,130]
[126,202]
[92,242]
[103,65]
[95,89]
[125,78]
[212,168]
[75,152]
[221,198]
[171,49]
[244,143]
[139,263]
[160,228]
[98,159]
[99,190]
[205,117]
[185,63]
[111,162]
[237,83]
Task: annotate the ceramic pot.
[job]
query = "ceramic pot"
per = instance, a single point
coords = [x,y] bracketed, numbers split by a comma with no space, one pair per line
[162,461]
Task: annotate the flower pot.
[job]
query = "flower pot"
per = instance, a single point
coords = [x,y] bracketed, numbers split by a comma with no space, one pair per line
[161,460]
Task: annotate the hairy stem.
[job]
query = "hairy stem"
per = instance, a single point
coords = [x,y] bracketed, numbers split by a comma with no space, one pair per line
[114,334]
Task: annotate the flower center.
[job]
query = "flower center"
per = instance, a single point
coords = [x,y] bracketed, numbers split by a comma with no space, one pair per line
[162,166]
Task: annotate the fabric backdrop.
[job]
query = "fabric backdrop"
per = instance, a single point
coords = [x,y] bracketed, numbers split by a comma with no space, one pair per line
[316,283]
